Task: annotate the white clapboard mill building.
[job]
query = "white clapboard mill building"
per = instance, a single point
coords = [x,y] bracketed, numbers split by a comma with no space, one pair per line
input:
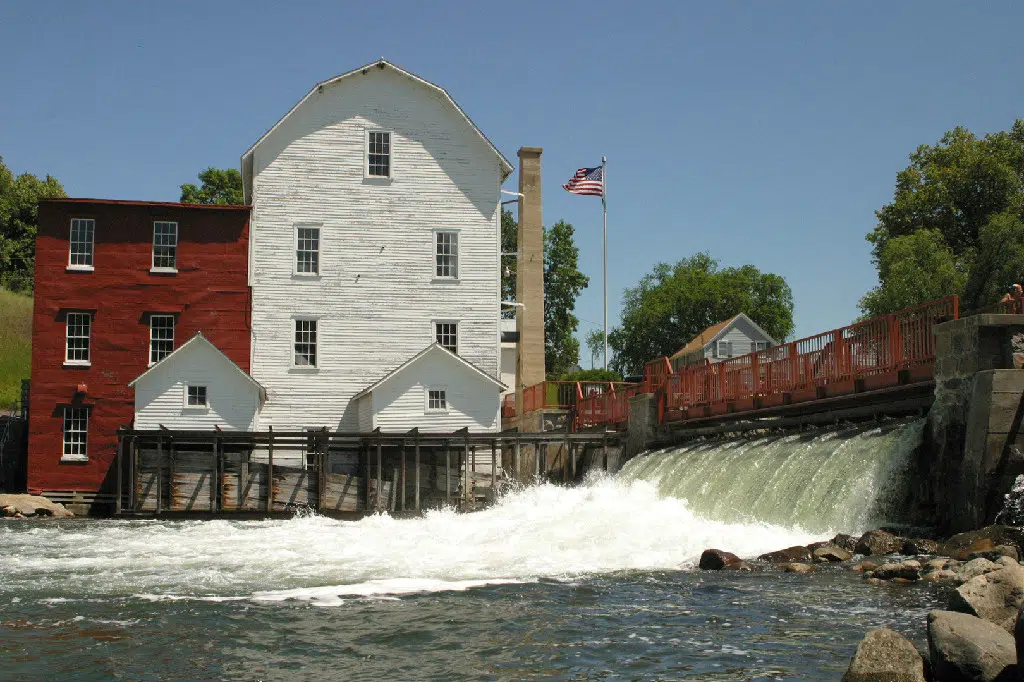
[374,259]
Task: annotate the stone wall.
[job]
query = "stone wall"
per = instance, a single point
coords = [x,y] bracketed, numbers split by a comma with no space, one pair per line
[974,440]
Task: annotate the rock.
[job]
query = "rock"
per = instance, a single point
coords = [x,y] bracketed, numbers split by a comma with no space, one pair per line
[32,505]
[739,566]
[919,546]
[961,545]
[843,541]
[864,566]
[798,553]
[974,568]
[716,559]
[996,553]
[904,571]
[827,553]
[964,647]
[1018,638]
[877,543]
[995,596]
[1005,561]
[9,511]
[938,564]
[939,576]
[796,567]
[885,655]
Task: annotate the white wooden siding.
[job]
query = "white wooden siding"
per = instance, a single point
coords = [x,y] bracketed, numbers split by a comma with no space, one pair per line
[232,399]
[376,295]
[741,333]
[399,403]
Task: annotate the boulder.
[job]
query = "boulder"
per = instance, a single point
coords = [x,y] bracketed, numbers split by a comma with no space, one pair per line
[1005,561]
[799,553]
[864,566]
[939,564]
[974,568]
[1018,638]
[877,543]
[919,546]
[904,570]
[796,567]
[831,553]
[939,576]
[739,566]
[996,553]
[885,655]
[995,596]
[31,505]
[843,541]
[716,559]
[967,648]
[962,545]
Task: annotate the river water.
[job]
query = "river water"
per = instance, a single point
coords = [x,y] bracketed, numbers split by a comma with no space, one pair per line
[595,582]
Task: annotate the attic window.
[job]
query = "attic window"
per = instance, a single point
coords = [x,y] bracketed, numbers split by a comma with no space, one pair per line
[724,349]
[196,396]
[437,400]
[378,154]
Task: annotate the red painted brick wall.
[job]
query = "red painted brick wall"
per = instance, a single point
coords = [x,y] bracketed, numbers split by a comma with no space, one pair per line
[209,293]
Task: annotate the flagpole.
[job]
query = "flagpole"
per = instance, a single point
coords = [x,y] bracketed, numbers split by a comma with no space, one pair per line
[604,207]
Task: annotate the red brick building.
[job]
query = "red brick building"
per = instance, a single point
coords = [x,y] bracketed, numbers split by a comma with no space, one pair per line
[118,285]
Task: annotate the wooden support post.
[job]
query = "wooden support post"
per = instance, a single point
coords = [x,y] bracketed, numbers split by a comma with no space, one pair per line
[416,463]
[380,474]
[604,451]
[447,474]
[170,474]
[468,486]
[405,446]
[159,471]
[323,446]
[494,470]
[572,459]
[565,463]
[215,482]
[536,460]
[270,470]
[364,451]
[120,465]
[134,492]
[516,460]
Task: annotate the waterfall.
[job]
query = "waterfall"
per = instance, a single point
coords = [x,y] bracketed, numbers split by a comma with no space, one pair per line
[843,480]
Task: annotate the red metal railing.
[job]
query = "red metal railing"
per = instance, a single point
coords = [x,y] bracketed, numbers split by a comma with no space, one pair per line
[508,406]
[608,407]
[656,372]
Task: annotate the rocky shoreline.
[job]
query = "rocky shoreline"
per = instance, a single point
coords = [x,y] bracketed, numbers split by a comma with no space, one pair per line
[979,638]
[31,507]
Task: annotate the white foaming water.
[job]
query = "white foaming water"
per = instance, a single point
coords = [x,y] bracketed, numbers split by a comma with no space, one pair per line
[541,531]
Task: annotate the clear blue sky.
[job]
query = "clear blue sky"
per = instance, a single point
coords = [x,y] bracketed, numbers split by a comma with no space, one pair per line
[763,133]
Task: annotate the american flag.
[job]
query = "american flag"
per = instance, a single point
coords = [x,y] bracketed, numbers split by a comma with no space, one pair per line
[589,181]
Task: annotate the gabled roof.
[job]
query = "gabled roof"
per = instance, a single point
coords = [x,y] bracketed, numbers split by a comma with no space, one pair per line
[432,348]
[199,339]
[382,64]
[712,333]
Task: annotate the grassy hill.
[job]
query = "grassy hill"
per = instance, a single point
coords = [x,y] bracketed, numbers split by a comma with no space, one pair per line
[15,345]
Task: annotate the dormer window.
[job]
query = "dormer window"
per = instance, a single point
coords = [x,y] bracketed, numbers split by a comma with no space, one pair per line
[378,154]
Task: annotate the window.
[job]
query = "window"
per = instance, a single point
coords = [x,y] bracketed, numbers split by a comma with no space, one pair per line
[195,396]
[378,154]
[82,233]
[756,346]
[161,337]
[446,251]
[437,400]
[447,335]
[165,245]
[307,251]
[76,433]
[305,343]
[723,349]
[79,328]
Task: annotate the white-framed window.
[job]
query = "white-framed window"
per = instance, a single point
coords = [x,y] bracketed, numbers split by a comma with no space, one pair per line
[305,342]
[447,335]
[723,349]
[161,337]
[195,396]
[437,400]
[446,254]
[378,154]
[165,245]
[307,250]
[83,234]
[758,346]
[76,351]
[76,434]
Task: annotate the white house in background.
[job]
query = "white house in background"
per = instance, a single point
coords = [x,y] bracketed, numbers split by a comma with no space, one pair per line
[730,338]
[196,388]
[434,390]
[374,234]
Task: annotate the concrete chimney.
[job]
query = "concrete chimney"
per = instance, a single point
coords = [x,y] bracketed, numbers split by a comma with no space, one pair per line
[529,276]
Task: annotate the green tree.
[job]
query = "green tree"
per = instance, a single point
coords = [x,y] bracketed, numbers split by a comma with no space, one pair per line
[219,186]
[19,221]
[674,303]
[915,267]
[593,375]
[959,190]
[595,344]
[563,283]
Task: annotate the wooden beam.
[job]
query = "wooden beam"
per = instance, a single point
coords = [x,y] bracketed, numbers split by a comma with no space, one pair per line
[494,470]
[417,465]
[270,470]
[119,465]
[159,471]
